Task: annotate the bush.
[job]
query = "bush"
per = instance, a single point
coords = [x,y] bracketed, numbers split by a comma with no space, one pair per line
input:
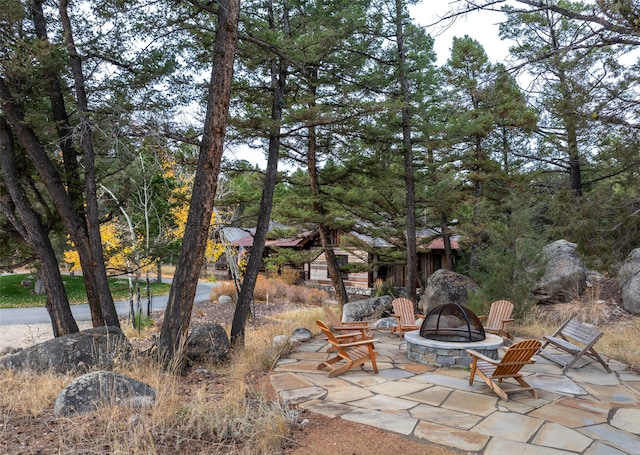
[224,288]
[273,289]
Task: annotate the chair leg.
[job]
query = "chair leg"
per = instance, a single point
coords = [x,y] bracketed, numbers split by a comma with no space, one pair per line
[596,356]
[526,387]
[473,371]
[338,371]
[501,393]
[372,358]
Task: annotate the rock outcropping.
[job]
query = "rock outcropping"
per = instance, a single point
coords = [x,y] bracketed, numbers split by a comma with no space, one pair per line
[102,388]
[629,280]
[95,348]
[565,275]
[444,287]
[365,310]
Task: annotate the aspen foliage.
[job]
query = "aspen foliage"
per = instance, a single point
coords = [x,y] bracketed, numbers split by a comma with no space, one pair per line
[179,209]
[119,251]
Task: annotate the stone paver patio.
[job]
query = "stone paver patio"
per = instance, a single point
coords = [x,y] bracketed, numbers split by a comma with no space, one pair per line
[585,411]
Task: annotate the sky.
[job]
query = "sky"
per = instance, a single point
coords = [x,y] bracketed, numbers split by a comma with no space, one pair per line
[479,25]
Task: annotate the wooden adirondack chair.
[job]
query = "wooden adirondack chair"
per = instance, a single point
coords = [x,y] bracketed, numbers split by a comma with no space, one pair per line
[403,312]
[336,324]
[515,358]
[498,318]
[577,339]
[352,353]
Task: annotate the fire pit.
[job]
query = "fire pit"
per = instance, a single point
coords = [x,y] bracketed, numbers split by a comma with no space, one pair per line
[445,334]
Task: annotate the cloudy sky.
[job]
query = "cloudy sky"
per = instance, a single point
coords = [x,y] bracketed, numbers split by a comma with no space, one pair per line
[479,25]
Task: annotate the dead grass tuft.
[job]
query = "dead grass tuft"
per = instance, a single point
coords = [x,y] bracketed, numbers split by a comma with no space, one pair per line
[223,288]
[27,394]
[270,289]
[227,409]
[598,306]
[591,312]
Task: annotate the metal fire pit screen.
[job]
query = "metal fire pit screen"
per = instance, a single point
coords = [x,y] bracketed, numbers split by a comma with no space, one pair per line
[452,322]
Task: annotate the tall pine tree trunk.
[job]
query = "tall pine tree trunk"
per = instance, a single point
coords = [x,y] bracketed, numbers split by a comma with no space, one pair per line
[325,238]
[278,84]
[66,195]
[407,149]
[60,198]
[95,266]
[30,227]
[177,315]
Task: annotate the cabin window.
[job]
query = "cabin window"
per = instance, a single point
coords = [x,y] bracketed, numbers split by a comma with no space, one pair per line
[342,260]
[437,262]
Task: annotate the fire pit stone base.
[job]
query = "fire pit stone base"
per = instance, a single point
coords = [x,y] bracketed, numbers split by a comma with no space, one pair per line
[448,353]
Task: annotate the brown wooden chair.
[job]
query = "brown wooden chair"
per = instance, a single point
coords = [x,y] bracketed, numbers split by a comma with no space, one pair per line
[349,353]
[490,370]
[406,317]
[577,339]
[498,318]
[336,324]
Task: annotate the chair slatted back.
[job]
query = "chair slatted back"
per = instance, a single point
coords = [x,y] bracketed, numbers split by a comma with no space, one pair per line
[516,357]
[583,333]
[331,338]
[333,318]
[500,311]
[403,307]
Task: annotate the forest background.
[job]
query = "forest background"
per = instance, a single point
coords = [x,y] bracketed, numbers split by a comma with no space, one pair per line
[114,117]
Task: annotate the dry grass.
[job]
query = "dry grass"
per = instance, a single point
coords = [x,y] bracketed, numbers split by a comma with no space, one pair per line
[230,411]
[620,329]
[28,398]
[269,289]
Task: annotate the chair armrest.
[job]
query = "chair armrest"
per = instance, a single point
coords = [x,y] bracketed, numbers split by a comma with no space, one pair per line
[359,343]
[357,324]
[421,316]
[476,354]
[508,320]
[350,327]
[349,335]
[482,318]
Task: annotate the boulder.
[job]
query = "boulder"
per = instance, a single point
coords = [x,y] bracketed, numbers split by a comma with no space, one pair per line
[446,286]
[366,309]
[301,335]
[385,324]
[95,348]
[93,390]
[564,276]
[225,300]
[208,342]
[629,281]
[280,341]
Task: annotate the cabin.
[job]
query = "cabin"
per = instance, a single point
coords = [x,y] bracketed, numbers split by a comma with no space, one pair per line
[363,260]
[360,259]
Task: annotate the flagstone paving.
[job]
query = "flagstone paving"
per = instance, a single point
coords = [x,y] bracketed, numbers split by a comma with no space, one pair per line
[585,411]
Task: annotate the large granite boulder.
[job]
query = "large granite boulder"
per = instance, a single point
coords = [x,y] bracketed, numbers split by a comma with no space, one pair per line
[565,275]
[102,388]
[98,347]
[208,342]
[629,280]
[444,287]
[366,309]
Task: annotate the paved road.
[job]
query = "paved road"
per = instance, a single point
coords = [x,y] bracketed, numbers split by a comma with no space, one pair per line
[15,316]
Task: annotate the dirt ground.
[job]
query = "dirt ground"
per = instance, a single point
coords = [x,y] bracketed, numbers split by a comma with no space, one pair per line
[324,435]
[42,434]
